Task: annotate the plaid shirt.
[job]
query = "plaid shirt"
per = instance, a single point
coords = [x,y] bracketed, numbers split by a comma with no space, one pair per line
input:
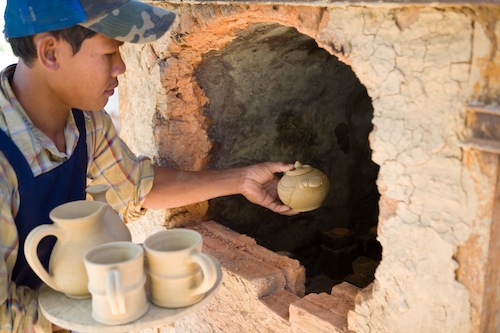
[110,162]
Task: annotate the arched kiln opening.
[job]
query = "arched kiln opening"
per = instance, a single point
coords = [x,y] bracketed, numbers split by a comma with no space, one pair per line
[275,95]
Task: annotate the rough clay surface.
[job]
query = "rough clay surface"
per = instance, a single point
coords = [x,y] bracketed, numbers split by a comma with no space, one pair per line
[421,66]
[420,83]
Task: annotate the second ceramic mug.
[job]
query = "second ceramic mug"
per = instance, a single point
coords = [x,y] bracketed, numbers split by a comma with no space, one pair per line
[117,282]
[180,274]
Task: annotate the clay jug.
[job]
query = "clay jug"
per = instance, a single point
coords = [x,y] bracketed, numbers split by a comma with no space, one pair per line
[79,226]
[303,188]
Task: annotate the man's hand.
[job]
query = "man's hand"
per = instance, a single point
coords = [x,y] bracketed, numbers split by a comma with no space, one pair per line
[259,185]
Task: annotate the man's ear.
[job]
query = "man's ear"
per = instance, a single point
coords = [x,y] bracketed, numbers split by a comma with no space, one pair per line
[46,47]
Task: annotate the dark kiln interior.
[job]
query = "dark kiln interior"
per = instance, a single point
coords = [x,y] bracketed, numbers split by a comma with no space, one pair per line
[275,95]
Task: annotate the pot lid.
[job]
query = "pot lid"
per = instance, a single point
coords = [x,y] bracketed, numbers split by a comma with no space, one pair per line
[299,169]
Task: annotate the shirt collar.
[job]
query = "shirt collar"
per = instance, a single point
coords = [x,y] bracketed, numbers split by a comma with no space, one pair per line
[25,135]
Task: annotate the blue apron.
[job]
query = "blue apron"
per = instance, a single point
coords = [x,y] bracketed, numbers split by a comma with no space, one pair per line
[39,195]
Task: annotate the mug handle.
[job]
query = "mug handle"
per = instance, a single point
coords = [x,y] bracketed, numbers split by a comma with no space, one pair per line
[30,251]
[114,292]
[209,271]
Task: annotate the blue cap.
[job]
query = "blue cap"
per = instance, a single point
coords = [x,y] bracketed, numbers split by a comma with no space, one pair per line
[124,20]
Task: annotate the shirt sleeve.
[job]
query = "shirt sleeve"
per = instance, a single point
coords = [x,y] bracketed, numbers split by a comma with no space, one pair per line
[112,162]
[19,310]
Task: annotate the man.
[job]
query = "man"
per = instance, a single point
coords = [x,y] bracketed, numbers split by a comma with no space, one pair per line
[50,149]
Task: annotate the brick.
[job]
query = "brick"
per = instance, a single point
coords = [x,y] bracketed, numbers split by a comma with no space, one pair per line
[318,313]
[228,246]
[280,302]
[346,291]
[294,272]
[265,279]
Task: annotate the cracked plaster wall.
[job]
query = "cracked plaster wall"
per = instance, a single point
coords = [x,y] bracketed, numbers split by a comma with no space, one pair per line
[421,66]
[418,66]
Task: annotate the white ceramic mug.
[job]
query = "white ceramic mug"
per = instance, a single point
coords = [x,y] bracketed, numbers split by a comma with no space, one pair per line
[180,274]
[117,282]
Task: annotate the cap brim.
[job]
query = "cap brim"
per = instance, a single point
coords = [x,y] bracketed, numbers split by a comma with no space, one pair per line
[133,22]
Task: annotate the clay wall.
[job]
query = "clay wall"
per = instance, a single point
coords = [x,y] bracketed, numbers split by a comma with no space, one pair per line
[424,66]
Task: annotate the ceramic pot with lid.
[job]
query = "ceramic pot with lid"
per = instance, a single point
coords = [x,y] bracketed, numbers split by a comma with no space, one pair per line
[303,188]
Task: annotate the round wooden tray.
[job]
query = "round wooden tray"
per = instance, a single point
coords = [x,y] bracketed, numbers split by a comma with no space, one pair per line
[76,314]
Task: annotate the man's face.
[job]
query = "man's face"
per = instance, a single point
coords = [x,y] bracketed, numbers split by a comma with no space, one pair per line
[87,79]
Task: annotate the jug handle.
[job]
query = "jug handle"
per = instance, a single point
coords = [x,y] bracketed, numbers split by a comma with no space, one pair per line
[30,251]
[209,271]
